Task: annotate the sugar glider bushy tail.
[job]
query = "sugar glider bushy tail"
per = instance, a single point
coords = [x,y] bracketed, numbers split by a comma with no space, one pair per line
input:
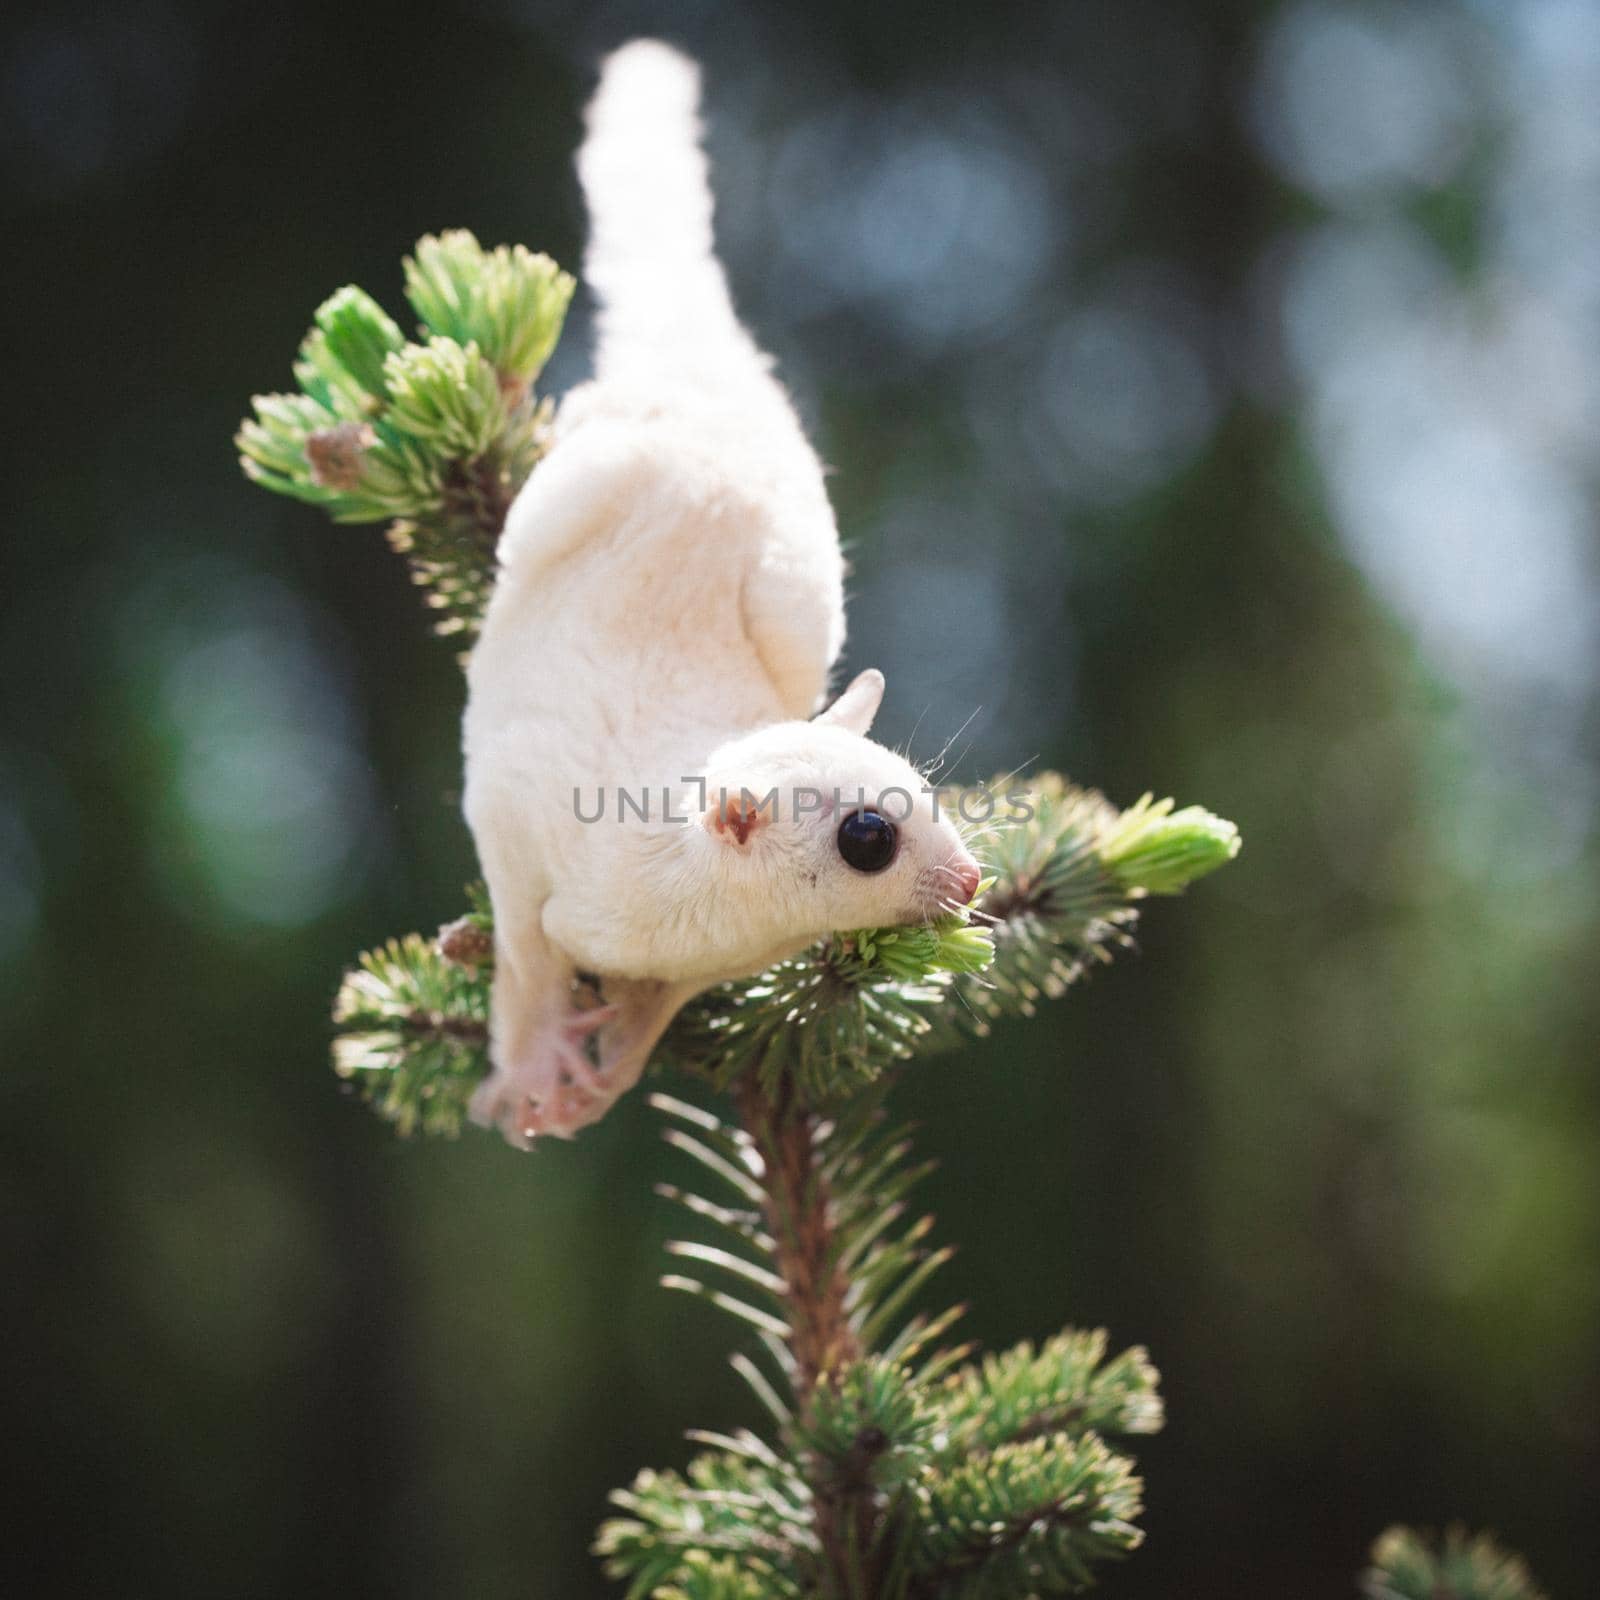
[665,312]
[672,357]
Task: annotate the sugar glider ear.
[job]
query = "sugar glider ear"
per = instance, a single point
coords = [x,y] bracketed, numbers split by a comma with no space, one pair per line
[858,705]
[736,816]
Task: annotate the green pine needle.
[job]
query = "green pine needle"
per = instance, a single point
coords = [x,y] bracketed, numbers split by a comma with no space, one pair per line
[1065,1386]
[1157,850]
[508,302]
[869,1424]
[1029,1519]
[914,954]
[413,1035]
[445,396]
[744,1513]
[342,360]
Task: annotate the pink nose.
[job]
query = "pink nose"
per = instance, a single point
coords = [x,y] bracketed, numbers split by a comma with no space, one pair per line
[966,875]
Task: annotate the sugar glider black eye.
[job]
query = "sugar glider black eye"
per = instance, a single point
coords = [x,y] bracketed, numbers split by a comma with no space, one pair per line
[867,841]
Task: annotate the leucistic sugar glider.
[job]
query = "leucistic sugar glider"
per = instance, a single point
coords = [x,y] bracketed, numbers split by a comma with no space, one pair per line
[654,801]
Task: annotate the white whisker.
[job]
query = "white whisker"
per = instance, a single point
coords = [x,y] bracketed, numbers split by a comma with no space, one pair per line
[931,772]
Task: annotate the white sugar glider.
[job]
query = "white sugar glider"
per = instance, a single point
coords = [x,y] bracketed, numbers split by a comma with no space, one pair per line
[668,609]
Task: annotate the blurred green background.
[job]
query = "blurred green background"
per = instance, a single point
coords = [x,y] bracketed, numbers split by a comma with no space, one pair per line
[1214,394]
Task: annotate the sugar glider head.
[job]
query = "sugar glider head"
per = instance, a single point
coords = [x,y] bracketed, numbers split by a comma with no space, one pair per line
[827,830]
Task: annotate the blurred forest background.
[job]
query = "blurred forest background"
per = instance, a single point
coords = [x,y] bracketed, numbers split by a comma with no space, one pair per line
[1215,396]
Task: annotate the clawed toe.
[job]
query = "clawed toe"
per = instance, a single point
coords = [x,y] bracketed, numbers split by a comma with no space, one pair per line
[571,1047]
[496,1104]
[580,1024]
[545,1082]
[553,1088]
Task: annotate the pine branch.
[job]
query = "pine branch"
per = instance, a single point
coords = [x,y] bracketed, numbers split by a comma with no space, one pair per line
[913,1480]
[1028,1519]
[896,1472]
[1407,1565]
[415,1032]
[435,437]
[1065,1387]
[743,1504]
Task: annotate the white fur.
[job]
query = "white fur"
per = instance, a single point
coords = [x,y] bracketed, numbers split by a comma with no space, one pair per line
[669,607]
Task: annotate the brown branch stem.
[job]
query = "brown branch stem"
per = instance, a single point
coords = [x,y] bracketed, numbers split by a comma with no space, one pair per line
[799,1213]
[440,1025]
[476,499]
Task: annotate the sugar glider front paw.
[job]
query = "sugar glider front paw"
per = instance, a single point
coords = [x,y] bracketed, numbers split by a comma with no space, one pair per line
[543,1081]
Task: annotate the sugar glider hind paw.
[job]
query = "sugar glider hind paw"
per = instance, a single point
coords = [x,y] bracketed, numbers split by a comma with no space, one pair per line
[548,1087]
